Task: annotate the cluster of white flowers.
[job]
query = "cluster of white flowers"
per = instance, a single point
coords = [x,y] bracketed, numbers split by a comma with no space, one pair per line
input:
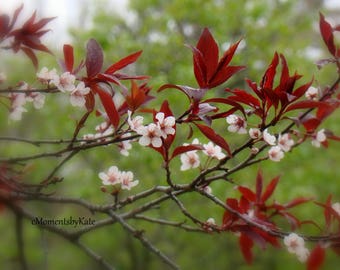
[319,138]
[153,133]
[65,83]
[296,245]
[18,101]
[237,124]
[191,159]
[114,176]
[284,144]
[103,130]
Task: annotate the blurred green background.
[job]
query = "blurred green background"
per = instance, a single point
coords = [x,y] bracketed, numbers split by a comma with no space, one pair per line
[160,29]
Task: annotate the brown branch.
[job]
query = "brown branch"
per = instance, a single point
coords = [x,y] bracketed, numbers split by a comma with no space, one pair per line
[145,242]
[169,223]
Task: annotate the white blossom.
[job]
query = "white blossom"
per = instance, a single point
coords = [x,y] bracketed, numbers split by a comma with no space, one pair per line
[136,122]
[236,124]
[112,177]
[65,82]
[45,76]
[77,97]
[211,222]
[275,153]
[16,113]
[214,151]
[319,138]
[125,146]
[207,189]
[126,180]
[151,134]
[336,207]
[254,133]
[268,138]
[18,100]
[296,245]
[166,124]
[189,160]
[312,93]
[285,142]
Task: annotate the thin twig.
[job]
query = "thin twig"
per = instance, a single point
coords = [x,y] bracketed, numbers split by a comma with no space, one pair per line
[146,243]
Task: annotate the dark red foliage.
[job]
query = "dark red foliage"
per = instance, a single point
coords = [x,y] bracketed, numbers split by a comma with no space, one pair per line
[213,136]
[327,34]
[210,71]
[138,96]
[253,207]
[27,37]
[316,258]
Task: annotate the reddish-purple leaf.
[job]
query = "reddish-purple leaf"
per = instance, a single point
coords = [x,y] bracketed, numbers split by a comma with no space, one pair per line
[316,258]
[227,56]
[29,52]
[259,186]
[270,189]
[16,15]
[94,58]
[192,93]
[209,50]
[284,70]
[109,106]
[296,202]
[244,97]
[227,101]
[302,89]
[305,104]
[246,245]
[268,78]
[213,136]
[200,70]
[68,57]
[311,124]
[327,34]
[123,62]
[224,74]
[185,148]
[247,193]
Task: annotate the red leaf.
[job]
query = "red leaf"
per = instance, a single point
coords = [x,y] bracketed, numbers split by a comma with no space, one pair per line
[246,245]
[94,58]
[90,102]
[327,34]
[192,93]
[311,124]
[270,189]
[247,193]
[305,104]
[29,52]
[209,50]
[123,62]
[69,57]
[213,136]
[259,186]
[109,106]
[224,74]
[268,78]
[185,148]
[296,202]
[316,258]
